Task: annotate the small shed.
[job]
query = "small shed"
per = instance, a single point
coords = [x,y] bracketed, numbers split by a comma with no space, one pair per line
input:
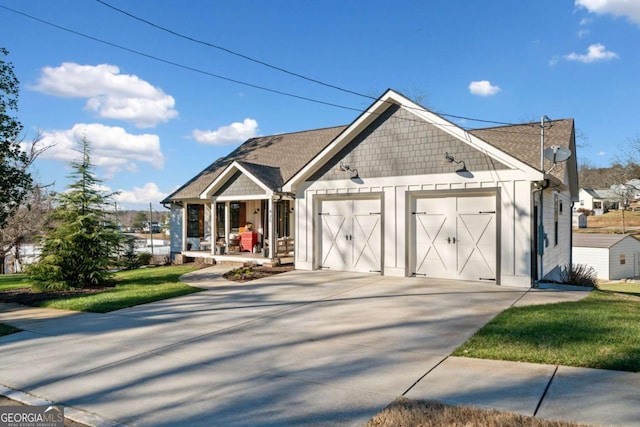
[613,256]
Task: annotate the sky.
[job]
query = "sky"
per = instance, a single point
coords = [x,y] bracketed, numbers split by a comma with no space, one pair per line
[160,100]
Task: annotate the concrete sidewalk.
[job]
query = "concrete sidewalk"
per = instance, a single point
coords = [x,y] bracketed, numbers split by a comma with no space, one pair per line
[590,396]
[299,348]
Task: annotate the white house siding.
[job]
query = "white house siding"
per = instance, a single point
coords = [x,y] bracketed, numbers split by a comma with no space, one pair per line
[630,247]
[606,261]
[514,210]
[556,256]
[598,258]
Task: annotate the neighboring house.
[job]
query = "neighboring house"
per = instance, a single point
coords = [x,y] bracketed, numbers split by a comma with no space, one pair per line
[598,201]
[613,256]
[400,191]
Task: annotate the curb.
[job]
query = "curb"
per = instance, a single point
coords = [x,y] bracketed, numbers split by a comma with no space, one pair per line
[71,413]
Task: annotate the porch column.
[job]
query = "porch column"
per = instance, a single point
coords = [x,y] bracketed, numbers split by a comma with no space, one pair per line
[212,226]
[272,229]
[227,223]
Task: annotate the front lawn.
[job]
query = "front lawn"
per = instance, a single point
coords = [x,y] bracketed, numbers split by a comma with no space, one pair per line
[600,331]
[133,287]
[627,288]
[13,281]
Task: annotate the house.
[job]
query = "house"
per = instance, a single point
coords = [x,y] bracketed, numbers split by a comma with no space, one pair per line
[613,256]
[598,201]
[400,191]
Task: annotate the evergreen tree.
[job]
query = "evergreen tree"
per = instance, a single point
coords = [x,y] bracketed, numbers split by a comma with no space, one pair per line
[83,244]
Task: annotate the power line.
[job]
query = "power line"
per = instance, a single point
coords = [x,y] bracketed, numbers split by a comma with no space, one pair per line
[175,64]
[275,67]
[232,52]
[255,86]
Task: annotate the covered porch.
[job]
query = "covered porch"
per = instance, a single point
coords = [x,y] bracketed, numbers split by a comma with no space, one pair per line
[253,229]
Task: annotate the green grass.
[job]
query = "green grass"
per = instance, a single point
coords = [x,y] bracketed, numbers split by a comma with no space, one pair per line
[13,281]
[133,287]
[627,288]
[600,331]
[7,329]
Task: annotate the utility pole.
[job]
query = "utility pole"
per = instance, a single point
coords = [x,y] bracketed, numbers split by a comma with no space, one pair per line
[151,227]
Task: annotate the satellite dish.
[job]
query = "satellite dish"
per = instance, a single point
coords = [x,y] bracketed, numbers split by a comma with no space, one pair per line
[557,154]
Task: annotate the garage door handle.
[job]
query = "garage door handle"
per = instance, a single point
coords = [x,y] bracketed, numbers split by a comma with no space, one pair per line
[348,237]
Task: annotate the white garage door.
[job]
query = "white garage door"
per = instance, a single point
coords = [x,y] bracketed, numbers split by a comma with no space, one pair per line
[454,237]
[350,235]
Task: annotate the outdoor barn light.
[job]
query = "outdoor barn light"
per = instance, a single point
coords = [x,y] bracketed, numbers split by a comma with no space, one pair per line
[347,168]
[449,159]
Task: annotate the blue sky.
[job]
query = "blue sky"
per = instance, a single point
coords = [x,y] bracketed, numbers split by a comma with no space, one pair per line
[154,125]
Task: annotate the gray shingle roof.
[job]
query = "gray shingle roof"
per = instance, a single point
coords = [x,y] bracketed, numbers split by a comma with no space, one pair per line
[272,159]
[523,141]
[275,159]
[603,194]
[597,240]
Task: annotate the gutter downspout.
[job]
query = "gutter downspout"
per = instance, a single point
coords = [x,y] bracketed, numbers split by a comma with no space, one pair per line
[541,233]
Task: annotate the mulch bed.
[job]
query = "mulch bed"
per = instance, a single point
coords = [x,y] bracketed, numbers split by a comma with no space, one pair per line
[26,296]
[246,274]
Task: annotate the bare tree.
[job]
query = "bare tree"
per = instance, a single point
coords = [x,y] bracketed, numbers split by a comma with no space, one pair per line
[26,220]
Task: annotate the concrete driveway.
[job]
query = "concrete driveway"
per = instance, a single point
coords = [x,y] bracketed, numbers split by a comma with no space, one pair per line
[297,348]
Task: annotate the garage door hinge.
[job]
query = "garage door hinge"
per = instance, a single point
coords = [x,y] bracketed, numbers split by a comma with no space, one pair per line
[375,213]
[418,213]
[375,271]
[486,278]
[418,274]
[487,212]
[324,213]
[322,267]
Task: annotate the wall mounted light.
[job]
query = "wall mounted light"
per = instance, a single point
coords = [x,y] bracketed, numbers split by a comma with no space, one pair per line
[449,159]
[256,211]
[346,168]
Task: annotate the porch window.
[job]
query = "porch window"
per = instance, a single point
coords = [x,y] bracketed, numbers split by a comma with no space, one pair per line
[238,216]
[220,211]
[283,224]
[195,220]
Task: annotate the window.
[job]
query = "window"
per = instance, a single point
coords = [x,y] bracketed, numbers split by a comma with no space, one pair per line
[220,208]
[623,259]
[238,216]
[195,220]
[283,224]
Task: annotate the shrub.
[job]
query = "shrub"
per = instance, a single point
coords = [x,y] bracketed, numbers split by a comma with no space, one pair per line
[144,258]
[580,275]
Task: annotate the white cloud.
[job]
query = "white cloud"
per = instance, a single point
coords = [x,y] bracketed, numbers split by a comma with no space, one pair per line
[583,32]
[113,148]
[110,94]
[627,8]
[149,193]
[231,134]
[602,153]
[483,88]
[554,60]
[595,52]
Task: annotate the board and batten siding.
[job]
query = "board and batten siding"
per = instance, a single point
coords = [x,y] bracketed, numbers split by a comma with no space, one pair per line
[513,196]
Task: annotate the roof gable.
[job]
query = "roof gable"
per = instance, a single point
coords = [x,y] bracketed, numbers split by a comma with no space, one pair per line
[271,159]
[394,99]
